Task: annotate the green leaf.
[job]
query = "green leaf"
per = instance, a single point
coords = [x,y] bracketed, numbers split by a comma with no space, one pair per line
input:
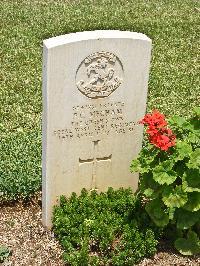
[186,188]
[135,166]
[193,203]
[163,173]
[148,192]
[195,125]
[174,197]
[145,160]
[191,180]
[186,219]
[140,166]
[146,181]
[163,177]
[177,121]
[156,212]
[194,161]
[192,138]
[189,246]
[183,149]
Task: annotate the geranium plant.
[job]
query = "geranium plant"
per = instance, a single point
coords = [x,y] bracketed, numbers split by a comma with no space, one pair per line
[169,167]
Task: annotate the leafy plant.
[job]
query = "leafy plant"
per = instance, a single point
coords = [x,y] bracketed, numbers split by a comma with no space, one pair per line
[103,229]
[169,169]
[4,253]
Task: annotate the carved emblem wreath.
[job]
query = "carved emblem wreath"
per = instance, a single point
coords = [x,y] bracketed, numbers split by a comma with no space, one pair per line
[100,74]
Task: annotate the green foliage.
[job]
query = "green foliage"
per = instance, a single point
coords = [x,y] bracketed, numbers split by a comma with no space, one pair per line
[157,213]
[193,203]
[172,25]
[186,219]
[171,182]
[4,253]
[103,229]
[174,197]
[189,245]
[163,173]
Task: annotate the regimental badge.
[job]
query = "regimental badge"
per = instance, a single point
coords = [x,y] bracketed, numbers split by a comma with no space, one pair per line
[99,75]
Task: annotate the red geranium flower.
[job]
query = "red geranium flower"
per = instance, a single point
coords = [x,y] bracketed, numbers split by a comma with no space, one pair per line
[155,119]
[159,135]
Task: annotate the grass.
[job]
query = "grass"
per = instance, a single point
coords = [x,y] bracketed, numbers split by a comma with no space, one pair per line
[173,85]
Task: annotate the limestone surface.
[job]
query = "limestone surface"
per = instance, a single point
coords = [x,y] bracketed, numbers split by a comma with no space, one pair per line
[94,92]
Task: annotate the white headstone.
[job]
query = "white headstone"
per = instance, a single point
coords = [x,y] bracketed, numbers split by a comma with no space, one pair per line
[94,92]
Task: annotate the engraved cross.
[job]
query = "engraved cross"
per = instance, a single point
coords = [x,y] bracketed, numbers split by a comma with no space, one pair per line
[94,162]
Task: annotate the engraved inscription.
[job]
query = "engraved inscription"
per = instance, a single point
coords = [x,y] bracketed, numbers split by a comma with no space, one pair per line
[99,75]
[94,120]
[94,162]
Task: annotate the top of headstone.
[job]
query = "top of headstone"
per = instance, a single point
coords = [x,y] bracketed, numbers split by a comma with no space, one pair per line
[97,34]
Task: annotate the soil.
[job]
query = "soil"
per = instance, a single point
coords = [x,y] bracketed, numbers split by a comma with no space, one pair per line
[21,230]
